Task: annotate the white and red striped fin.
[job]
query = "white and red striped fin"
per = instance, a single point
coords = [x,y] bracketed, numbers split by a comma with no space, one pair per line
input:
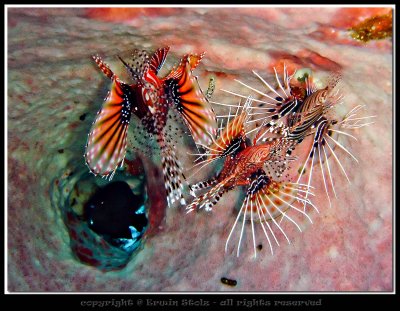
[267,203]
[233,136]
[174,179]
[158,59]
[324,151]
[210,198]
[194,107]
[193,59]
[103,66]
[273,97]
[106,144]
[204,184]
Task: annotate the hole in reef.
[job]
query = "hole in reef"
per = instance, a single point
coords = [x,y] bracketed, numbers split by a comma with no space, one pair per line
[117,214]
[105,220]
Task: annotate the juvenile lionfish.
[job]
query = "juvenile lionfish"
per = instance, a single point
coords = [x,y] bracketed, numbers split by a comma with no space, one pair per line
[150,98]
[297,111]
[267,200]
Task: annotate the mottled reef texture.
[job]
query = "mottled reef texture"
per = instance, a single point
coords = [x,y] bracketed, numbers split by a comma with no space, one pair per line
[52,82]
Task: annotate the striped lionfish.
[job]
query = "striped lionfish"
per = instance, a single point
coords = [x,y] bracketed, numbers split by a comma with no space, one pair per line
[150,98]
[296,112]
[247,164]
[289,113]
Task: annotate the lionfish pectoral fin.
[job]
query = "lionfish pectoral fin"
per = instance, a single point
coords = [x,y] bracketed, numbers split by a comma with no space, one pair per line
[158,59]
[274,200]
[264,132]
[194,107]
[268,202]
[106,144]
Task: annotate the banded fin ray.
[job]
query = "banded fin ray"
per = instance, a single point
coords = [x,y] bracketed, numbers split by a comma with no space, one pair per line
[211,197]
[103,66]
[194,107]
[233,136]
[106,144]
[193,60]
[174,179]
[158,59]
[267,203]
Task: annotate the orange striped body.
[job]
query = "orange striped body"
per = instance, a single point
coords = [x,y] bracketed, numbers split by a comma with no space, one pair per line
[237,171]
